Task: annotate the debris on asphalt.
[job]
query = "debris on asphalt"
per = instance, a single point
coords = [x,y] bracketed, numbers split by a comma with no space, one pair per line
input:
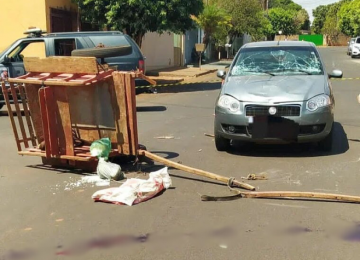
[200,150]
[134,191]
[232,182]
[107,170]
[165,137]
[209,135]
[284,195]
[255,177]
[92,180]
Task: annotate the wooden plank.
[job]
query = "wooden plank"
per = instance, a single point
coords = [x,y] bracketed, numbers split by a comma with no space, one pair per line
[66,157]
[195,171]
[27,114]
[32,93]
[131,112]
[18,113]
[117,91]
[45,123]
[11,116]
[64,129]
[86,65]
[52,121]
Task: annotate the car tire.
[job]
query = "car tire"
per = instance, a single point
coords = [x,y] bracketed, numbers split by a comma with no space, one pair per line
[222,144]
[104,52]
[1,106]
[325,145]
[352,56]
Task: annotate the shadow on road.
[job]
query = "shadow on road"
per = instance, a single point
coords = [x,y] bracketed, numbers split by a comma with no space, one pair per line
[189,87]
[150,109]
[340,146]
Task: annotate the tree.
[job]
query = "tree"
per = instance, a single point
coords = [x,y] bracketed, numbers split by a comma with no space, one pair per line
[284,4]
[283,20]
[247,17]
[302,20]
[137,17]
[215,22]
[349,18]
[319,14]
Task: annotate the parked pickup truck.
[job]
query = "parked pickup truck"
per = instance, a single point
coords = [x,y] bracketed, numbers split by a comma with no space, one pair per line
[39,44]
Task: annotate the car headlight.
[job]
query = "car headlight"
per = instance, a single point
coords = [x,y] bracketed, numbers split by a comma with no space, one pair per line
[317,102]
[229,103]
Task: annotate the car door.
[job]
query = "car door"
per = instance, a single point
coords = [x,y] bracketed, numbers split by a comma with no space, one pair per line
[25,48]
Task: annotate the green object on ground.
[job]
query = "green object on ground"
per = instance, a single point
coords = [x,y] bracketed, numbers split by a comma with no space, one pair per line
[101,148]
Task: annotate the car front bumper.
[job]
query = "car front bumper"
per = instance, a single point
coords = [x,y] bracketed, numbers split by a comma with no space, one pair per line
[320,120]
[355,52]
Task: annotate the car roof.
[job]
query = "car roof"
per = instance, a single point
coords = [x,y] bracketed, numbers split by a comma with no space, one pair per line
[278,43]
[74,34]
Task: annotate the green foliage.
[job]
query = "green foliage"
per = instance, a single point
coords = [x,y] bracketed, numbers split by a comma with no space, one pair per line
[283,20]
[284,4]
[302,20]
[349,18]
[137,17]
[215,22]
[319,14]
[247,16]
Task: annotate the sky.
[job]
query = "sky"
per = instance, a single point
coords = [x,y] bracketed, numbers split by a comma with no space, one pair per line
[309,5]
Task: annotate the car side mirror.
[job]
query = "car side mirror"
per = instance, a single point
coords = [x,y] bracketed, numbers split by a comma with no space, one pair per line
[221,74]
[336,74]
[6,60]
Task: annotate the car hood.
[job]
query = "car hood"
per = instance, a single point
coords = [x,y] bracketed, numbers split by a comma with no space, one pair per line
[275,89]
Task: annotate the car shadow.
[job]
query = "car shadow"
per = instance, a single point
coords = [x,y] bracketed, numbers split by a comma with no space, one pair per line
[150,108]
[340,146]
[180,88]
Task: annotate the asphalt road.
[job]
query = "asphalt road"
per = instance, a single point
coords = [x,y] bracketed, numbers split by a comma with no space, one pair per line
[43,212]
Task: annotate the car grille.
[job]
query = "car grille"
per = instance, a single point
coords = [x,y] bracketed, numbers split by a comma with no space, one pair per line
[292,110]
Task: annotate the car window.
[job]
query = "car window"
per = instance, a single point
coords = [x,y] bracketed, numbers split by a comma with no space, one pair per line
[28,49]
[109,41]
[277,60]
[64,47]
[358,40]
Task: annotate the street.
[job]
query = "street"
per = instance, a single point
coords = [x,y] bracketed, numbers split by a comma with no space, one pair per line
[46,215]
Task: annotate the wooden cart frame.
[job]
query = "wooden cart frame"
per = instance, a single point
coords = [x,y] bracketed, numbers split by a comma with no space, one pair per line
[69,102]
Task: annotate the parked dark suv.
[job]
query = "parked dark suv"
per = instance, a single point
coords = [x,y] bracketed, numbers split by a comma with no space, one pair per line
[62,44]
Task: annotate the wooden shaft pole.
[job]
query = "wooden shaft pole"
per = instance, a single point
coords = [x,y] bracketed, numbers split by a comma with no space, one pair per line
[293,194]
[196,171]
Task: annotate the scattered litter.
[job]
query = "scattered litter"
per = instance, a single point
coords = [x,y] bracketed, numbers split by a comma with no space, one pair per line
[28,229]
[101,148]
[94,179]
[108,170]
[209,135]
[59,220]
[223,246]
[255,177]
[164,137]
[200,150]
[134,191]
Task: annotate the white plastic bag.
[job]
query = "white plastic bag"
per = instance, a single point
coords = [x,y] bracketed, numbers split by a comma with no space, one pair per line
[134,191]
[107,170]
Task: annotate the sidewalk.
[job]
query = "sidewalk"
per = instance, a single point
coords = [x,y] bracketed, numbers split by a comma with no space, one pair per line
[179,74]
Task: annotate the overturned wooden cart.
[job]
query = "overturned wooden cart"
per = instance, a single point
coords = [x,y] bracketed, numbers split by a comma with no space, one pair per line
[68,103]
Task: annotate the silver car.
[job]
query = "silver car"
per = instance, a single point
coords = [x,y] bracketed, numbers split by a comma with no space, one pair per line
[275,92]
[350,45]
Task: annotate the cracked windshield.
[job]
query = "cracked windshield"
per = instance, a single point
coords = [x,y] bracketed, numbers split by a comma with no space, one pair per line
[277,61]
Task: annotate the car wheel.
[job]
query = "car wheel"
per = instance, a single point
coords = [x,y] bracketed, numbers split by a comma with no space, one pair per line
[1,106]
[352,56]
[104,52]
[222,144]
[326,144]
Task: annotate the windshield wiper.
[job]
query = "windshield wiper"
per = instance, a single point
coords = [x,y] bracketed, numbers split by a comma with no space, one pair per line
[298,70]
[256,71]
